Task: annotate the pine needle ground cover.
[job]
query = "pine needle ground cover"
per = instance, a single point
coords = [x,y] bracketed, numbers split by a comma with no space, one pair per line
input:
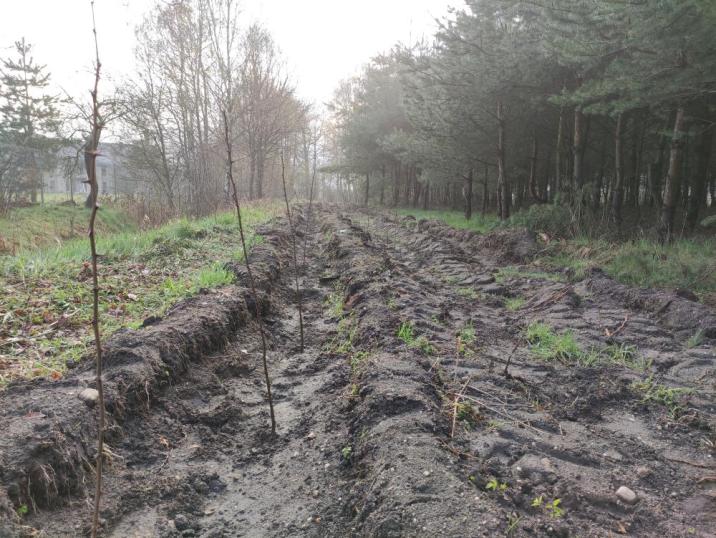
[45,310]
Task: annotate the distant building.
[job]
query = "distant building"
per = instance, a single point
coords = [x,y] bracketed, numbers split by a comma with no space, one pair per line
[114,174]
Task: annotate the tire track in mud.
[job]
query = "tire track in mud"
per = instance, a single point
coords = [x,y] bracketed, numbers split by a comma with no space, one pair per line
[364,445]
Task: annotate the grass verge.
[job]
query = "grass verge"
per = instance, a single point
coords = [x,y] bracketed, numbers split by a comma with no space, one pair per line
[686,263]
[45,312]
[36,226]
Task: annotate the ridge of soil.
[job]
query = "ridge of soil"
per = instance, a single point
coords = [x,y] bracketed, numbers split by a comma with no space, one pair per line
[429,435]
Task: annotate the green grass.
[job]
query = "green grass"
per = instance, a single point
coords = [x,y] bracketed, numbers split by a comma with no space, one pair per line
[456,219]
[28,228]
[686,263]
[406,333]
[655,393]
[548,345]
[514,303]
[46,312]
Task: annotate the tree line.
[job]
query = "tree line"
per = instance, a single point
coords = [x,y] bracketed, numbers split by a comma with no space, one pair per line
[599,110]
[168,114]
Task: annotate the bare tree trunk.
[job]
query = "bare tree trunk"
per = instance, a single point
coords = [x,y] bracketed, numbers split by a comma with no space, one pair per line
[91,168]
[673,178]
[485,192]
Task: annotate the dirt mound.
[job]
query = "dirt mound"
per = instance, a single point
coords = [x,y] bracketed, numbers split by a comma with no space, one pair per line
[418,407]
[48,446]
[509,245]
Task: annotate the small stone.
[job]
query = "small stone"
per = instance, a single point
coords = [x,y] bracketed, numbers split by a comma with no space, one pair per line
[626,495]
[643,472]
[311,435]
[426,473]
[315,493]
[181,522]
[89,396]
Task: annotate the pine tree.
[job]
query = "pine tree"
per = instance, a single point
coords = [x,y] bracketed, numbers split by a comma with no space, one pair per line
[29,115]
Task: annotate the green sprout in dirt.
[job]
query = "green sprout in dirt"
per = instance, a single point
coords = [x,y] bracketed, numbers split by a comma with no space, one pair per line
[514,303]
[553,508]
[627,356]
[695,340]
[406,332]
[512,523]
[466,413]
[391,304]
[550,346]
[346,453]
[424,345]
[22,510]
[335,304]
[468,293]
[343,341]
[465,338]
[357,360]
[495,485]
[662,395]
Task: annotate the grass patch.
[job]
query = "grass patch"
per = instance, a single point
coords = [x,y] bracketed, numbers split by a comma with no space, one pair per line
[548,345]
[29,228]
[45,317]
[656,393]
[456,219]
[514,303]
[685,263]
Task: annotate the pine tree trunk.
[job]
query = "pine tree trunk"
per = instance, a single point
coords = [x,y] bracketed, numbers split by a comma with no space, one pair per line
[618,190]
[534,192]
[485,193]
[367,189]
[578,147]
[558,154]
[697,198]
[468,195]
[502,181]
[673,178]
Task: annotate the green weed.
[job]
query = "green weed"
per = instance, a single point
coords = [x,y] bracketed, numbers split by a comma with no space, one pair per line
[668,397]
[514,303]
[406,333]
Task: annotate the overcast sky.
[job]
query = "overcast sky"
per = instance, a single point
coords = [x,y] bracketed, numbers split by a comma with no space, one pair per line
[323,41]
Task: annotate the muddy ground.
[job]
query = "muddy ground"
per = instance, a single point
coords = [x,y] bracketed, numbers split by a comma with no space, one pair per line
[455,429]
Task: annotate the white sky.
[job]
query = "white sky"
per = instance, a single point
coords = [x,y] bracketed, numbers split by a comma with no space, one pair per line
[323,41]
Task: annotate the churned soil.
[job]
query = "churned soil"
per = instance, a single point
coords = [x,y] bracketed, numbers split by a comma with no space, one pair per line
[418,407]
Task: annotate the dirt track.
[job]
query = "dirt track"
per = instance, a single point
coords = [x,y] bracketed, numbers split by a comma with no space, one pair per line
[368,442]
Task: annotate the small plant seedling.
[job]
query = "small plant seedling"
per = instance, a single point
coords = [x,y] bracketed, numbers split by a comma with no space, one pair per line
[554,509]
[668,397]
[391,304]
[468,293]
[465,412]
[537,502]
[514,303]
[355,389]
[22,510]
[405,332]
[346,453]
[424,345]
[495,485]
[695,340]
[512,523]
